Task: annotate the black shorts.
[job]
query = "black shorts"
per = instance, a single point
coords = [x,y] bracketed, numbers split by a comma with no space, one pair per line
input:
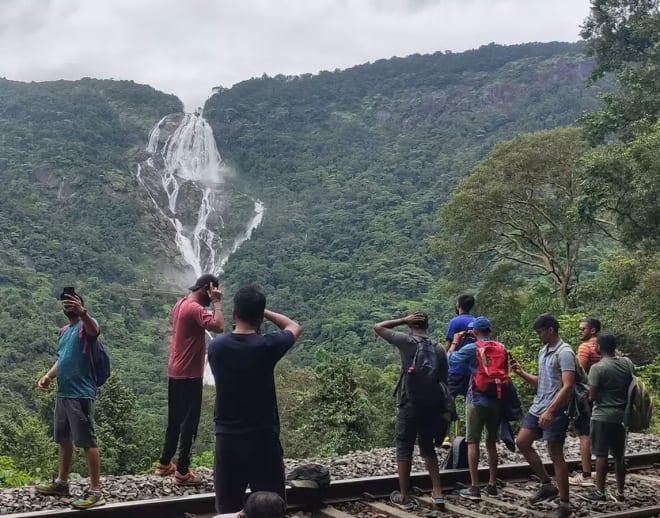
[254,459]
[608,438]
[74,421]
[428,428]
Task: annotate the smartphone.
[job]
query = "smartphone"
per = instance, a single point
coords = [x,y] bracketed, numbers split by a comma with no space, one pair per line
[67,290]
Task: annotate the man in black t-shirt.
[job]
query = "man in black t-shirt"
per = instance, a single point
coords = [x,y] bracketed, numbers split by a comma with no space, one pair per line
[247,424]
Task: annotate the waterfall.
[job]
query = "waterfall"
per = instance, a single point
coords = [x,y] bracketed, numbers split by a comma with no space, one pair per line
[183,158]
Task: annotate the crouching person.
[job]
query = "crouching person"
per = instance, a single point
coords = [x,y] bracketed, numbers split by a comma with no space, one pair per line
[262,504]
[74,406]
[423,402]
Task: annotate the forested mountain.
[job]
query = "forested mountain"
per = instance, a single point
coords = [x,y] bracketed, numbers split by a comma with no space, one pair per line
[352,167]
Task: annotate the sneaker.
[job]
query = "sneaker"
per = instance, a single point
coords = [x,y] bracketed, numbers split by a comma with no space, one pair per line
[580,480]
[163,470]
[396,499]
[594,496]
[618,497]
[546,491]
[55,488]
[89,499]
[563,510]
[471,493]
[189,479]
[491,490]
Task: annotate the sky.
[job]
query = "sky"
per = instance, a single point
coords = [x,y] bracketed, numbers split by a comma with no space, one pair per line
[186,47]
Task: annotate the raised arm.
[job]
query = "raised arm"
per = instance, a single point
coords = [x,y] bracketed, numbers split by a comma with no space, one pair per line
[217,325]
[283,322]
[381,328]
[518,370]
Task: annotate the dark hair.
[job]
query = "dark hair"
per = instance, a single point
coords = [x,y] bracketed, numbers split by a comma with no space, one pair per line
[425,323]
[264,504]
[593,323]
[545,321]
[466,302]
[249,305]
[606,342]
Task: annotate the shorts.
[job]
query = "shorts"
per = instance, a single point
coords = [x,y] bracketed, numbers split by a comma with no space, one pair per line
[429,429]
[479,417]
[608,438]
[74,421]
[252,458]
[554,432]
[582,426]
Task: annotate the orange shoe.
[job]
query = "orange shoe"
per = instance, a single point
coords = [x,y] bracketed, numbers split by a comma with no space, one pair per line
[189,479]
[163,470]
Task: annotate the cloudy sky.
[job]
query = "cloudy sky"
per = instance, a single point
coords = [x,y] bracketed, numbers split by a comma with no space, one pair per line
[186,47]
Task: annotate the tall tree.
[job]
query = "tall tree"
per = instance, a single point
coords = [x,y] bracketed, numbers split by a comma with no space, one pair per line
[519,204]
[621,181]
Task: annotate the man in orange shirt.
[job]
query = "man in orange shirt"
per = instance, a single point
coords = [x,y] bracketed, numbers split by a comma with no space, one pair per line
[587,356]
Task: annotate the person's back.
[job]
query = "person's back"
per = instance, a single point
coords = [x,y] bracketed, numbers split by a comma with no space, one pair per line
[612,375]
[243,368]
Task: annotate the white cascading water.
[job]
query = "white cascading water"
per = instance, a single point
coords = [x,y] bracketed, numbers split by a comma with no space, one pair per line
[190,154]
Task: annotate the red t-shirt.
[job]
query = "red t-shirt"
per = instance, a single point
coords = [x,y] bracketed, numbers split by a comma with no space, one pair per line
[188,348]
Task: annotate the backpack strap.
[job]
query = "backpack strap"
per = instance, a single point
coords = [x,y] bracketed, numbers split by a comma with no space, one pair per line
[403,372]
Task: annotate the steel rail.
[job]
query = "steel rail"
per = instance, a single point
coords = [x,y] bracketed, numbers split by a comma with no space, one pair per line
[339,491]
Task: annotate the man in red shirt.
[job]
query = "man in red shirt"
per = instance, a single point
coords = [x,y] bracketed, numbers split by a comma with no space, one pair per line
[587,356]
[190,321]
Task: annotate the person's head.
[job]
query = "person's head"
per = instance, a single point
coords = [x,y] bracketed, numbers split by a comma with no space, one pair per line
[547,328]
[464,304]
[249,306]
[422,321]
[589,327]
[201,287]
[481,327]
[606,344]
[264,504]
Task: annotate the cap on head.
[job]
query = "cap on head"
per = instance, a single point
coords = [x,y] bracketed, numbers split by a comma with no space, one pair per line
[482,324]
[205,280]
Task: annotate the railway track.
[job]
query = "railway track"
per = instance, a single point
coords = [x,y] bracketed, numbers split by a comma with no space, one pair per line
[365,497]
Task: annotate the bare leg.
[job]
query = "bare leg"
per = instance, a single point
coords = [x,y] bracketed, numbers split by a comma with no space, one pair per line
[556,451]
[473,462]
[403,469]
[620,471]
[601,473]
[524,441]
[94,467]
[64,460]
[585,453]
[491,450]
[434,473]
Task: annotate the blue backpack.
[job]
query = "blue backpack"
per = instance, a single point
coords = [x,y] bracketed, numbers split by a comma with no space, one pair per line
[99,359]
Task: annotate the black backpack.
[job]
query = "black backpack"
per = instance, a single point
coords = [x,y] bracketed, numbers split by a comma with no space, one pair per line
[310,483]
[457,456]
[424,380]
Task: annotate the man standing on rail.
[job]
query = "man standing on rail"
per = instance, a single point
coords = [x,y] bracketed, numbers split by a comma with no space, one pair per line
[247,423]
[609,380]
[190,321]
[74,406]
[547,417]
[487,361]
[429,424]
[588,356]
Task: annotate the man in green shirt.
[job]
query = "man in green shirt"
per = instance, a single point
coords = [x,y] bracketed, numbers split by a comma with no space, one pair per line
[609,380]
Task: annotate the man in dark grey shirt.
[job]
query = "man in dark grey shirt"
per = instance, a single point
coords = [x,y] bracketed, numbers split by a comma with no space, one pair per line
[430,427]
